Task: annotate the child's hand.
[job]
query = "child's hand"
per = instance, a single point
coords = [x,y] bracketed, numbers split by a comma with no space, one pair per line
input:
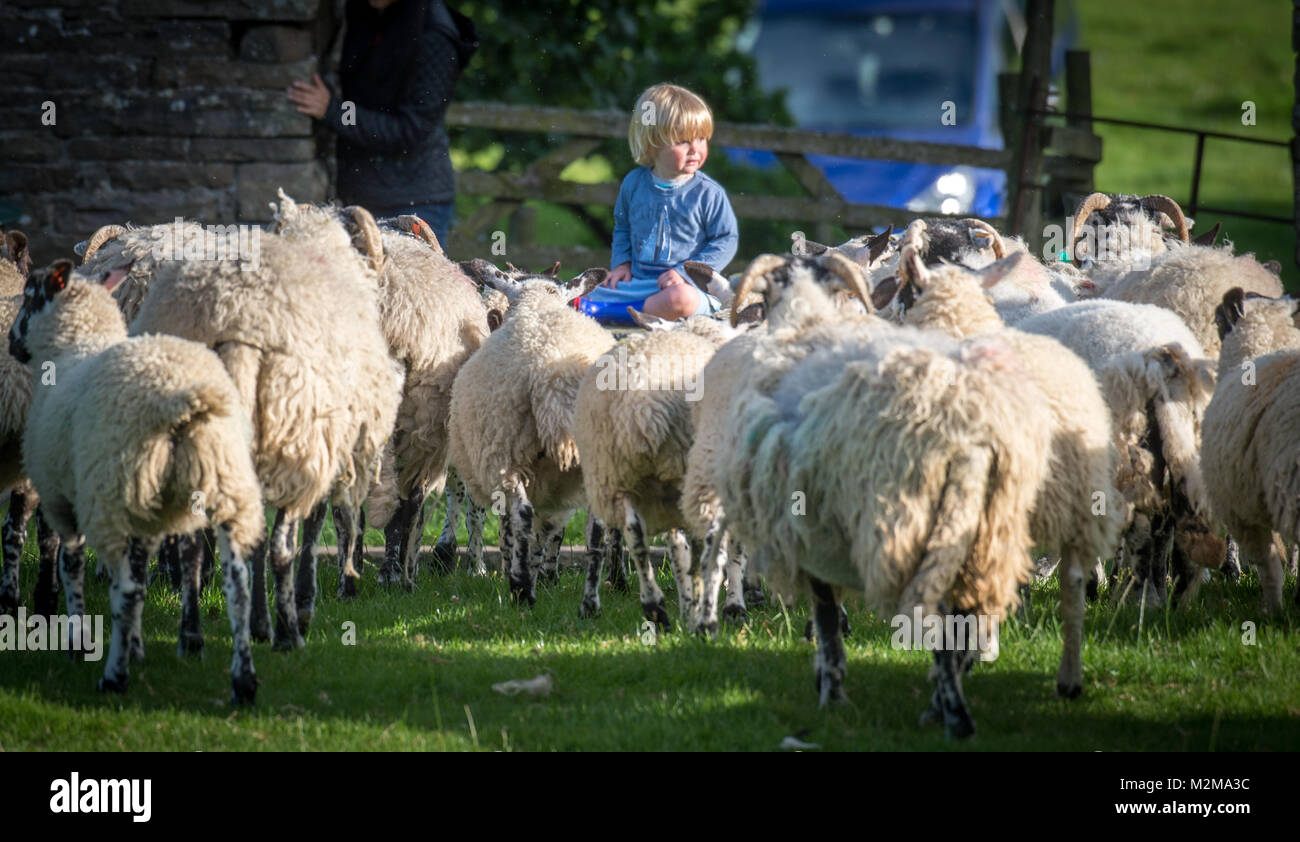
[670,279]
[620,273]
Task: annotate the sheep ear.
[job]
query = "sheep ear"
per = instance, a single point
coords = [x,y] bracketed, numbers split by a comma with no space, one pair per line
[884,292]
[800,246]
[1232,309]
[16,243]
[56,281]
[495,318]
[1274,268]
[995,272]
[876,245]
[647,321]
[485,274]
[586,282]
[699,273]
[753,314]
[1208,238]
[554,271]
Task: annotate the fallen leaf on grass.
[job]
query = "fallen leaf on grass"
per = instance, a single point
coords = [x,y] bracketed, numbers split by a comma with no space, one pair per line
[537,686]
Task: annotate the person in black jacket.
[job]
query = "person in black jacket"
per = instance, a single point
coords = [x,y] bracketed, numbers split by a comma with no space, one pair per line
[400,63]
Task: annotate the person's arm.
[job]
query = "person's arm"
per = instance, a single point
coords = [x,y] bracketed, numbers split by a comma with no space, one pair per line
[722,234]
[436,70]
[621,248]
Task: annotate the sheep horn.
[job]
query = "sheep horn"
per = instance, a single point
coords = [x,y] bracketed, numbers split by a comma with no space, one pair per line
[757,268]
[554,271]
[849,272]
[1208,238]
[1157,202]
[421,229]
[1094,202]
[999,250]
[103,235]
[876,245]
[374,246]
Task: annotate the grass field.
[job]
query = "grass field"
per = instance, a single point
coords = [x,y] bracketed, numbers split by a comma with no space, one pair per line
[419,677]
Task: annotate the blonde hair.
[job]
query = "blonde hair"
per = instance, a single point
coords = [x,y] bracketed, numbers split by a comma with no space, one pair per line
[664,115]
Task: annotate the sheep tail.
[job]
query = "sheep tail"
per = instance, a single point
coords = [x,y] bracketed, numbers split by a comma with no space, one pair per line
[183,407]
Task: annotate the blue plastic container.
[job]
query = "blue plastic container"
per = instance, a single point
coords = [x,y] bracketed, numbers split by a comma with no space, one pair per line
[608,312]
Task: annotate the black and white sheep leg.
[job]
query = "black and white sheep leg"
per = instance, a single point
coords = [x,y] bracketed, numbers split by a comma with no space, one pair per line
[344,527]
[679,555]
[243,679]
[615,563]
[13,536]
[736,607]
[125,594]
[523,572]
[415,535]
[652,598]
[550,540]
[475,520]
[948,703]
[46,598]
[713,561]
[287,636]
[753,584]
[445,549]
[260,622]
[138,554]
[72,571]
[831,663]
[190,558]
[595,536]
[305,584]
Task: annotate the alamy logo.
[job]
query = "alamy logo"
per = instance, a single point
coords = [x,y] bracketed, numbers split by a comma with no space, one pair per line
[56,633]
[95,795]
[211,242]
[946,632]
[621,372]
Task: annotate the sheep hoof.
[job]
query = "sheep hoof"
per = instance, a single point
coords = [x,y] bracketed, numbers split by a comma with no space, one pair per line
[519,593]
[243,689]
[931,716]
[45,603]
[347,588]
[959,728]
[305,616]
[112,685]
[259,627]
[549,577]
[735,613]
[658,614]
[288,643]
[189,643]
[808,631]
[755,597]
[589,608]
[708,629]
[1091,591]
[1069,689]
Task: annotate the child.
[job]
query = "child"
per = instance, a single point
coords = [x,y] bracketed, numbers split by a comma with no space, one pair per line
[668,212]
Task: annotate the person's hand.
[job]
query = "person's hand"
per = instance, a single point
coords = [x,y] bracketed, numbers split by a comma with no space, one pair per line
[620,273]
[312,98]
[670,279]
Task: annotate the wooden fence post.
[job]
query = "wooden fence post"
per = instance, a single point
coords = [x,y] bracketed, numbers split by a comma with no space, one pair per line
[1025,174]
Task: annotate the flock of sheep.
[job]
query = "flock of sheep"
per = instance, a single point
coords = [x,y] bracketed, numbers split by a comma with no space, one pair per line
[904,416]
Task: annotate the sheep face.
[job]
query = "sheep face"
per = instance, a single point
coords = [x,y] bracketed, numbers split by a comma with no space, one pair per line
[1121,230]
[1237,304]
[515,283]
[14,249]
[41,288]
[775,281]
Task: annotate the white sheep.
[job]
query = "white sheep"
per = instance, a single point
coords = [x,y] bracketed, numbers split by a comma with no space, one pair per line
[512,405]
[298,330]
[919,459]
[1251,456]
[167,446]
[1078,513]
[632,425]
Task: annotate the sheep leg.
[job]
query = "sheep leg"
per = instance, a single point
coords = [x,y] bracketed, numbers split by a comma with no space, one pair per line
[596,540]
[287,637]
[169,564]
[552,540]
[679,555]
[13,537]
[397,541]
[1092,585]
[523,570]
[125,595]
[713,560]
[415,535]
[753,584]
[1153,568]
[190,641]
[652,598]
[260,624]
[506,544]
[343,528]
[305,586]
[234,573]
[1069,678]
[948,704]
[359,549]
[444,551]
[1261,551]
[46,598]
[615,563]
[475,518]
[72,570]
[1231,567]
[831,662]
[209,547]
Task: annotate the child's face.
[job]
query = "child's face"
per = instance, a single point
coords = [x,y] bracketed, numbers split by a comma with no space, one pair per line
[681,158]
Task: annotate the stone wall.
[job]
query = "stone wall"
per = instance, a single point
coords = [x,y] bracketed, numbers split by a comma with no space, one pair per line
[144,110]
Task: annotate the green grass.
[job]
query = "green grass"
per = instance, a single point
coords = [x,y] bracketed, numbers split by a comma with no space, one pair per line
[1194,67]
[424,663]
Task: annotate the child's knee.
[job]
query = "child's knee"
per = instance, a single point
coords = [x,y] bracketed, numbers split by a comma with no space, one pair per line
[676,302]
